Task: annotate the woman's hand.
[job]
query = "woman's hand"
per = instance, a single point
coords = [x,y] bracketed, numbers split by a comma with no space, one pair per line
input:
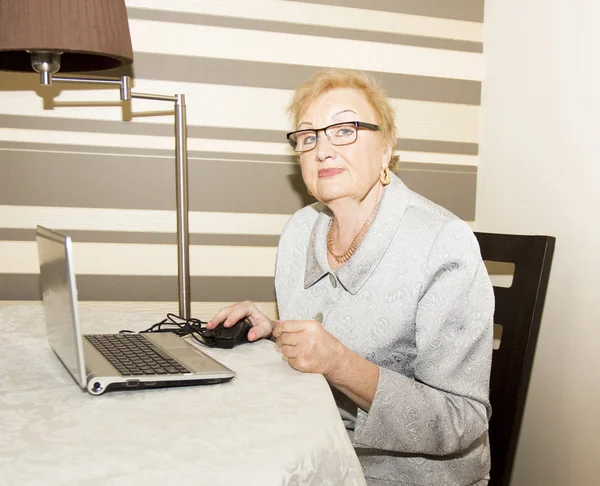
[262,326]
[310,348]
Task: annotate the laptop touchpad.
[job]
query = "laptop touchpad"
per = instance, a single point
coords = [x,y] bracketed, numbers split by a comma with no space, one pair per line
[197,361]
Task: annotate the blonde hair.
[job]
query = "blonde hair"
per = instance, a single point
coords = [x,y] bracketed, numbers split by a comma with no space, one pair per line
[323,81]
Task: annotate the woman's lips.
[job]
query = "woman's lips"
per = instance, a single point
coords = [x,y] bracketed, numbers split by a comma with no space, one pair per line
[324,173]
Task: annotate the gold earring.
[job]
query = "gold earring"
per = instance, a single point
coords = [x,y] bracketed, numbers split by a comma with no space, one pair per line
[385,176]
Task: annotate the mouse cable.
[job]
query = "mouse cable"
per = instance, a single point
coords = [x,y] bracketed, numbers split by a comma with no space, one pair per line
[177,325]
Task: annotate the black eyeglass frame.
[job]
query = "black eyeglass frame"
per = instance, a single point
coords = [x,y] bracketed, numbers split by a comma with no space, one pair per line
[357,124]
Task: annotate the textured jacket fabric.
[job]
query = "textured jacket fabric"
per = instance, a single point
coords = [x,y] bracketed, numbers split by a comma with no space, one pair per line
[416,300]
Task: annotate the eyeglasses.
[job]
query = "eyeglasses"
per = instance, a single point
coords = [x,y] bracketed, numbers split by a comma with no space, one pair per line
[338,134]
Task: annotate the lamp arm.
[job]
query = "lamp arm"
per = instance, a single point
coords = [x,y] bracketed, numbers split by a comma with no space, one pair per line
[181,174]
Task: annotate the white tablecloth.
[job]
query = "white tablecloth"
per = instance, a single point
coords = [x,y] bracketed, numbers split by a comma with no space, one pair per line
[271,425]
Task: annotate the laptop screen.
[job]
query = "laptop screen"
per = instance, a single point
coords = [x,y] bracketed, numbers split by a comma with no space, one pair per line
[59,294]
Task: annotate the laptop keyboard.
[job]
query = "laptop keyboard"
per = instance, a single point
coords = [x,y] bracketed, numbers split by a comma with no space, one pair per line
[133,354]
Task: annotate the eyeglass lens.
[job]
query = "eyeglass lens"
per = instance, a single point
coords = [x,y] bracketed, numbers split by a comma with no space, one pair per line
[341,134]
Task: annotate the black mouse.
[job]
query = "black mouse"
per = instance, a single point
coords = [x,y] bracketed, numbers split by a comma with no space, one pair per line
[227,337]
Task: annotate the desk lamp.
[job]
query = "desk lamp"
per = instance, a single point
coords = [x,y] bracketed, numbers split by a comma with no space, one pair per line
[91,35]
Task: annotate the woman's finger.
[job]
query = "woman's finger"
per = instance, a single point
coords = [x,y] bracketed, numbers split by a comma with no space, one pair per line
[290,339]
[289,351]
[290,326]
[260,329]
[231,314]
[219,317]
[241,311]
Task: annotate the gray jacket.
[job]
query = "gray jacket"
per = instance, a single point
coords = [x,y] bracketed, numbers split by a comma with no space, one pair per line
[416,300]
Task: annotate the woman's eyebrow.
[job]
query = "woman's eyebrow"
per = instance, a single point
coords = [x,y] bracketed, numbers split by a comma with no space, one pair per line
[335,115]
[342,112]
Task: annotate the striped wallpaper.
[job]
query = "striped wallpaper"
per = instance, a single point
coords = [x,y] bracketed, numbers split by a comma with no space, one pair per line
[78,160]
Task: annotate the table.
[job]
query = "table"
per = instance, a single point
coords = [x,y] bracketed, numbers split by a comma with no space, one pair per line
[270,425]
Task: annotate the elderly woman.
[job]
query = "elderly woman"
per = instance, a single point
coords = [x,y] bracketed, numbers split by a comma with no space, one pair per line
[382,292]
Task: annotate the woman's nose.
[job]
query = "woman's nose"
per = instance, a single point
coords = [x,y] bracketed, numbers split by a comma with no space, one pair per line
[324,149]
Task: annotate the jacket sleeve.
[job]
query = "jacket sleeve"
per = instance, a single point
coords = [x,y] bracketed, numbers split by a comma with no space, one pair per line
[445,408]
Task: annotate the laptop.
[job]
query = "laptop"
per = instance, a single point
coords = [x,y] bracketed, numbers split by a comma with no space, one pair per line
[108,362]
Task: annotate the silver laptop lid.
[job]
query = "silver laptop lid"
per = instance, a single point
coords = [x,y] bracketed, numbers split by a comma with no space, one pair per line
[59,293]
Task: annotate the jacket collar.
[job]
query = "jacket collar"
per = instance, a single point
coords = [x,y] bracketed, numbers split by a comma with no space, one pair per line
[356,271]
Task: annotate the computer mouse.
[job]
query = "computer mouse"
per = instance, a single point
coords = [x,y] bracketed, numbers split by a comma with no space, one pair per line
[228,337]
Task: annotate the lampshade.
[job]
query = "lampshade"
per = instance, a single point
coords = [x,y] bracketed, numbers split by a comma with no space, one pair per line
[92,35]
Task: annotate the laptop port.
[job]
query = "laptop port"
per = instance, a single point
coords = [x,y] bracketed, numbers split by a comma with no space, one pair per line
[132,383]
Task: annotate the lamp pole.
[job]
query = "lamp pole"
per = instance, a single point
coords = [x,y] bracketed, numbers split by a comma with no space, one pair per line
[181,171]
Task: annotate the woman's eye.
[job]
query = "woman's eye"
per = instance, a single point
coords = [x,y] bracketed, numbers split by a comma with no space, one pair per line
[309,140]
[344,132]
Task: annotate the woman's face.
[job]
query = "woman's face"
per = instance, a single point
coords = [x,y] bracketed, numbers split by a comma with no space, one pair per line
[333,172]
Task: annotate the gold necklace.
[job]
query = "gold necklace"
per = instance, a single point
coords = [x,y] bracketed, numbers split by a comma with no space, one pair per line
[344,257]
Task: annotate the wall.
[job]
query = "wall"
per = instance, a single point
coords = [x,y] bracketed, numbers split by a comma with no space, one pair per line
[79,161]
[539,174]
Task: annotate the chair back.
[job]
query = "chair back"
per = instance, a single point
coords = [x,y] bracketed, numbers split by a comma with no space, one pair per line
[519,311]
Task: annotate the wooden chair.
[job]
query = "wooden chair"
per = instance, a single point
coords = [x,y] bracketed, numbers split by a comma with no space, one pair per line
[519,312]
